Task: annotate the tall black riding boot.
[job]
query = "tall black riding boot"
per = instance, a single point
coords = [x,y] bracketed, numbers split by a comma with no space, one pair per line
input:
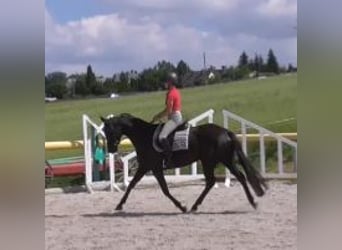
[167,151]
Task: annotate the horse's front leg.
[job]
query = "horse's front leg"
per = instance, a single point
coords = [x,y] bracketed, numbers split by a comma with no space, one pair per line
[158,173]
[208,171]
[137,177]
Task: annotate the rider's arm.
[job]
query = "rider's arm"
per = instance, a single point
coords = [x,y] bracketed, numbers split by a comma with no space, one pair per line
[160,115]
[169,106]
[166,111]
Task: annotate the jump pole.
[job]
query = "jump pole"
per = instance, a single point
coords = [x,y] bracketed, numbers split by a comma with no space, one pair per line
[113,185]
[87,153]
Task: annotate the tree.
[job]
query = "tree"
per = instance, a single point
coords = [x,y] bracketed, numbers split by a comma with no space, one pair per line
[123,78]
[150,79]
[55,84]
[153,78]
[56,77]
[122,84]
[134,84]
[56,90]
[182,68]
[164,66]
[241,72]
[251,65]
[109,86]
[261,65]
[231,73]
[81,87]
[90,80]
[98,89]
[243,60]
[272,63]
[290,68]
[258,64]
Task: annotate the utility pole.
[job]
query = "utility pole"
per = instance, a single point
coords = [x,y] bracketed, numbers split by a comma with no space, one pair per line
[204,63]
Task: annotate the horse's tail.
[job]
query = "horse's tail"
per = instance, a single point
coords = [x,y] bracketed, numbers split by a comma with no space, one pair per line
[257,182]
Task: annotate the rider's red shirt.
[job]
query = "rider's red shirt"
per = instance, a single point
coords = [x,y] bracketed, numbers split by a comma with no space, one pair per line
[173,100]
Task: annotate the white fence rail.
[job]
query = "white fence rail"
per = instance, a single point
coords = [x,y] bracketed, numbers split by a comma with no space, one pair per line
[228,116]
[125,161]
[88,124]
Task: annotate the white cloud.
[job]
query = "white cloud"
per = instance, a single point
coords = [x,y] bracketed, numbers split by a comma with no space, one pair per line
[111,38]
[119,41]
[276,8]
[172,5]
[218,5]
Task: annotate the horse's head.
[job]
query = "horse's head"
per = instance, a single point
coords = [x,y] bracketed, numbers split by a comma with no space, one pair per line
[114,128]
[113,132]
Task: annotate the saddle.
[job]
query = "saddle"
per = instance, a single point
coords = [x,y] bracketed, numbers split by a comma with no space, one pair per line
[178,139]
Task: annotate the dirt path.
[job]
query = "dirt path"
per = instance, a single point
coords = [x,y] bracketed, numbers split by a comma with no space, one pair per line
[225,220]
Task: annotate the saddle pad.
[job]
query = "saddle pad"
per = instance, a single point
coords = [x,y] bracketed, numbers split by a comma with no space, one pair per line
[181,140]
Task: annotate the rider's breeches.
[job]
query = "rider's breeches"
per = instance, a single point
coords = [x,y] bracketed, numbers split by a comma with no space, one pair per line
[175,119]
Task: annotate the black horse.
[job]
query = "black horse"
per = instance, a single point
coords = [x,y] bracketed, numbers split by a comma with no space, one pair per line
[209,143]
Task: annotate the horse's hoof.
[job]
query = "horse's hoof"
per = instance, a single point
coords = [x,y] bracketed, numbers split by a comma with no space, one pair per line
[118,208]
[184,209]
[255,205]
[193,209]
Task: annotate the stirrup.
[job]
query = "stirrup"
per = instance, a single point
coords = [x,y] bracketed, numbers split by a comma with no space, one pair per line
[164,165]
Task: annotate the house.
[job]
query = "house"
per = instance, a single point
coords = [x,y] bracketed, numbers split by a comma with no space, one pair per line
[113,95]
[50,99]
[211,75]
[201,77]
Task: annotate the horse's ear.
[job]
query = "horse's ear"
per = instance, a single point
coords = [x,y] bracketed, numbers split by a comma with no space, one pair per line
[103,119]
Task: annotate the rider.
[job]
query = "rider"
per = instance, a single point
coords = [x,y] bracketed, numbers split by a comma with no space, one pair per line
[172,111]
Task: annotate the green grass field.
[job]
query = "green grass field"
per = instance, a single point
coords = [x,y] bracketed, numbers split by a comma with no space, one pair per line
[266,102]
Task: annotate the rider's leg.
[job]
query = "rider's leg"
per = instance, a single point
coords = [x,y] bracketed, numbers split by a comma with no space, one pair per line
[169,126]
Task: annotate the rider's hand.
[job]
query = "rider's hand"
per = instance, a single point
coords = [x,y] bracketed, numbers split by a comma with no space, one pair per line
[154,119]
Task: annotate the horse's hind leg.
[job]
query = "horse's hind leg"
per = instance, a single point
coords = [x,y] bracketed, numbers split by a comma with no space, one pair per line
[208,171]
[242,179]
[138,175]
[158,173]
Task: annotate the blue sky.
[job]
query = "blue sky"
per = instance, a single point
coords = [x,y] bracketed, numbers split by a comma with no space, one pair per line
[114,35]
[70,10]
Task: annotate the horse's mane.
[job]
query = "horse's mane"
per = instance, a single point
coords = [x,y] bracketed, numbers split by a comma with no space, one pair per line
[126,115]
[134,119]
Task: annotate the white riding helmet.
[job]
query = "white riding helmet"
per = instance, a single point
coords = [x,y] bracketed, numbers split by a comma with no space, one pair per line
[173,76]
